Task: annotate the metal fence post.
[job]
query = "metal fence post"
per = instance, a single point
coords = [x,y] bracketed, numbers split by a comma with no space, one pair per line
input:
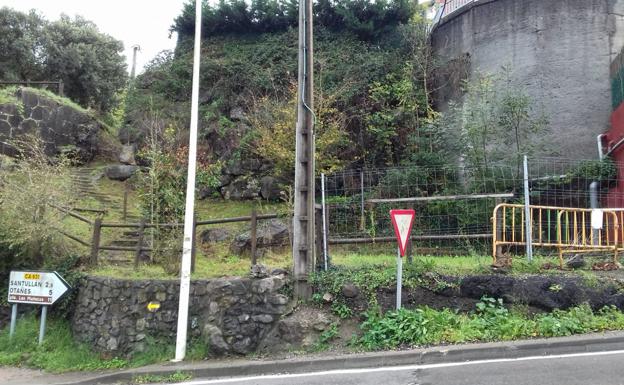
[527,211]
[319,259]
[593,199]
[324,207]
[362,220]
[499,231]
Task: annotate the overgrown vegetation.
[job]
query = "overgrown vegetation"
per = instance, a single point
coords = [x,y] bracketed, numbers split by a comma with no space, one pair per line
[491,321]
[7,96]
[33,193]
[89,62]
[497,122]
[60,353]
[372,102]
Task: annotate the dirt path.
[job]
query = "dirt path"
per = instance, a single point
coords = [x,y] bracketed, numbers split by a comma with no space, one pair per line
[19,376]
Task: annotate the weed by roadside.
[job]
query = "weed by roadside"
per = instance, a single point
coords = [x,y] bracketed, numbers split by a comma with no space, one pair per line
[60,353]
[178,376]
[491,321]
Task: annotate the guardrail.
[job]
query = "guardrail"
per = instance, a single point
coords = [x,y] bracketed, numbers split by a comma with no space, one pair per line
[569,230]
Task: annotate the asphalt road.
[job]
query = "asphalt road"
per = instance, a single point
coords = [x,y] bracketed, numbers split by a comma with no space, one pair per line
[601,368]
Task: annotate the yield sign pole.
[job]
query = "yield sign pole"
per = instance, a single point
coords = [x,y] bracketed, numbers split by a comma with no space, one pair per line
[402,221]
[187,246]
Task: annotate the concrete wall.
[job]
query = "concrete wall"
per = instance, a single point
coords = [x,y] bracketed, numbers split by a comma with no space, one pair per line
[560,51]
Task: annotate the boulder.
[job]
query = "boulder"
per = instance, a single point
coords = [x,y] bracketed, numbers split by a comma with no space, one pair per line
[223,144]
[273,234]
[300,329]
[576,262]
[120,172]
[213,337]
[270,189]
[214,235]
[234,167]
[259,271]
[241,188]
[237,113]
[349,290]
[127,155]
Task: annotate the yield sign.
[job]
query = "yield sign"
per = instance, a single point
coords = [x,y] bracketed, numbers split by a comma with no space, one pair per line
[402,221]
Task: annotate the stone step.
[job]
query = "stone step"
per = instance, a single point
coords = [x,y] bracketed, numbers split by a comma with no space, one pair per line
[117,261]
[125,242]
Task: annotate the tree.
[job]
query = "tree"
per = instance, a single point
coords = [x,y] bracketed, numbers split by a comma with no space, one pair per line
[365,18]
[497,122]
[89,62]
[20,45]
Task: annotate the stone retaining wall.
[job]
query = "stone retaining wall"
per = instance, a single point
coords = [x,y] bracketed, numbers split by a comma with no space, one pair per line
[63,128]
[232,315]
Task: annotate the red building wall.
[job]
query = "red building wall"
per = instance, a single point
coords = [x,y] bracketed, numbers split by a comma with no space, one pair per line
[613,142]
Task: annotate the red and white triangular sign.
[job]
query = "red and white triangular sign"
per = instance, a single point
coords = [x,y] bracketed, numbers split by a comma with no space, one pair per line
[402,221]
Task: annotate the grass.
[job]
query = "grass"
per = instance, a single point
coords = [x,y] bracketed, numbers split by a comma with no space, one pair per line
[219,263]
[445,265]
[60,353]
[59,99]
[7,96]
[491,321]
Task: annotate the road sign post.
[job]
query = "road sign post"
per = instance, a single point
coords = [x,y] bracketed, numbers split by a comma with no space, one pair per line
[13,319]
[399,279]
[402,221]
[35,288]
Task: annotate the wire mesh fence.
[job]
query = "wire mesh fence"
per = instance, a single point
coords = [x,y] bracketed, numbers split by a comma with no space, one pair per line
[454,204]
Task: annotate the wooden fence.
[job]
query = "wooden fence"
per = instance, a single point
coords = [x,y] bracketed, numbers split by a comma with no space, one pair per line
[60,86]
[96,225]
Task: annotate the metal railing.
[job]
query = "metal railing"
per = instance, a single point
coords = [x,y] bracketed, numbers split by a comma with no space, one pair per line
[569,230]
[449,7]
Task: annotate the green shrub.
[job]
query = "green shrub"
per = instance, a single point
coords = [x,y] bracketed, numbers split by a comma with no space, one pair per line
[491,321]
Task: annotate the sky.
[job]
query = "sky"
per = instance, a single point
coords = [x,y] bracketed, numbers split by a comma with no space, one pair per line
[142,22]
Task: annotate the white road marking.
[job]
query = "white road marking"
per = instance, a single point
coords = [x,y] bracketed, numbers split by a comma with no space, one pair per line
[397,368]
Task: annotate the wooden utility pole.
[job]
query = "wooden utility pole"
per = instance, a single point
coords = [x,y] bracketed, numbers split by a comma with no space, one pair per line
[303,219]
